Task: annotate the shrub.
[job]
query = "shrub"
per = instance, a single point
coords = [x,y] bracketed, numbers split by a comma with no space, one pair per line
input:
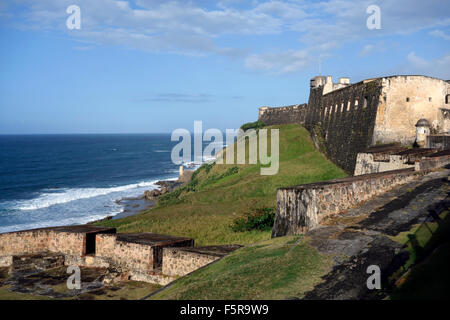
[173,196]
[253,125]
[206,167]
[254,219]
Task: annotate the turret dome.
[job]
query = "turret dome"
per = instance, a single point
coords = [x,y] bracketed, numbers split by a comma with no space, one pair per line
[423,123]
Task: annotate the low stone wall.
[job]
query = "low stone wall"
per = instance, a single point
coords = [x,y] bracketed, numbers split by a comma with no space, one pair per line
[179,262]
[365,164]
[134,256]
[437,160]
[138,254]
[39,261]
[373,162]
[439,141]
[160,279]
[143,256]
[39,240]
[301,208]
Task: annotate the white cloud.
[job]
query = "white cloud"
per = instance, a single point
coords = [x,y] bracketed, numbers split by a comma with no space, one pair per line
[196,27]
[368,48]
[435,68]
[440,34]
[279,62]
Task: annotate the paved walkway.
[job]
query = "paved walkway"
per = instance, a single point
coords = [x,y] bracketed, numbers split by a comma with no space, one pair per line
[360,237]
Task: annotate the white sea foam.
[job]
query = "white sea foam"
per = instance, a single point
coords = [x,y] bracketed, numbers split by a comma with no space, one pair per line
[161,151]
[53,223]
[47,199]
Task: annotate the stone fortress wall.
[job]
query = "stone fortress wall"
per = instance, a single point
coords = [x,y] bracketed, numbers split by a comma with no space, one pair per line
[343,120]
[283,115]
[406,99]
[348,118]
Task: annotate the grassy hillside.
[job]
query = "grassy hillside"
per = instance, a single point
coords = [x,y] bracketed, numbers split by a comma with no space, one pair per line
[279,268]
[205,209]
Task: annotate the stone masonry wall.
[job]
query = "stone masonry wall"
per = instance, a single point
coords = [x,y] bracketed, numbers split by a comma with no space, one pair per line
[39,240]
[302,207]
[133,256]
[439,141]
[105,244]
[366,164]
[440,159]
[283,115]
[179,262]
[406,99]
[342,120]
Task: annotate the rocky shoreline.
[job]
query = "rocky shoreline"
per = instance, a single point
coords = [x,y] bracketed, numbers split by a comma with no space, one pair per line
[137,205]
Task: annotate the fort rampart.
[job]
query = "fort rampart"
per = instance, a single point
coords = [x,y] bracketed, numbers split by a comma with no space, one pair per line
[345,120]
[283,115]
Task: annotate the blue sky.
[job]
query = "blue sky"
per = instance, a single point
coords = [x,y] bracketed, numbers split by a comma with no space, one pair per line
[154,66]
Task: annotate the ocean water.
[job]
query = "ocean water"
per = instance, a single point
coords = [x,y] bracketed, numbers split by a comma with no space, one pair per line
[51,180]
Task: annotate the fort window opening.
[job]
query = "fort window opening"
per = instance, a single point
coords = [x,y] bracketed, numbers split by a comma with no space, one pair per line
[90,243]
[342,107]
[407,99]
[365,103]
[348,106]
[447,99]
[429,99]
[356,104]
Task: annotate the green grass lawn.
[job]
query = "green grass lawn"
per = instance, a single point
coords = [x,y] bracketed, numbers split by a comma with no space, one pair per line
[279,268]
[205,209]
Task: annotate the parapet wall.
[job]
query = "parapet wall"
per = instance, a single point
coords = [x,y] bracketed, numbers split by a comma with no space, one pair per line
[179,262]
[283,115]
[439,159]
[439,141]
[301,208]
[390,157]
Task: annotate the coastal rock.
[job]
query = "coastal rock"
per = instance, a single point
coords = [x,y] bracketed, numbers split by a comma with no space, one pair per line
[152,194]
[164,190]
[169,184]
